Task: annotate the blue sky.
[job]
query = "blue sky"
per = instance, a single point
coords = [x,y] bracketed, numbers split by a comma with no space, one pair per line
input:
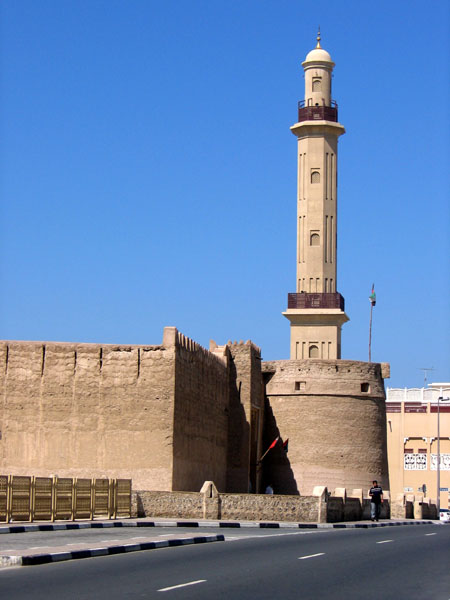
[148,174]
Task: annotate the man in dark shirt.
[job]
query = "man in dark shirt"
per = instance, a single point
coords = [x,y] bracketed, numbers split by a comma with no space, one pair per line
[376,500]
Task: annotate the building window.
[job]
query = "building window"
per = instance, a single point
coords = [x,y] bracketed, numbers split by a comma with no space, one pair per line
[415,461]
[315,177]
[365,387]
[300,385]
[313,351]
[317,85]
[314,239]
[444,462]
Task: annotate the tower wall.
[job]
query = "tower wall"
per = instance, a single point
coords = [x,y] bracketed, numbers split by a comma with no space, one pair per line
[336,431]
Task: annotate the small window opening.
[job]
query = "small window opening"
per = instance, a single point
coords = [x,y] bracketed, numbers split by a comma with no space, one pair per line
[313,351]
[315,239]
[300,385]
[365,387]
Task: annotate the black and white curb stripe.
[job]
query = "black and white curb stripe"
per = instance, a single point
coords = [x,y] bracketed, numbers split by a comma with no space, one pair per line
[40,559]
[190,524]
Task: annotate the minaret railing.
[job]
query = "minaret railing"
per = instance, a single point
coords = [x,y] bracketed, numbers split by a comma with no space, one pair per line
[321,113]
[308,300]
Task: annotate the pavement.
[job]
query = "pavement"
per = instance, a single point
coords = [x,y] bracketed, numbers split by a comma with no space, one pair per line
[27,554]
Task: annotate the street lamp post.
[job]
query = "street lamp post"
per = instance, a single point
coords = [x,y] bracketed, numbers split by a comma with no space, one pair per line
[438,466]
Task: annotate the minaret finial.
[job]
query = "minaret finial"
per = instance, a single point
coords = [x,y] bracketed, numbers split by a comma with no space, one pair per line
[318,39]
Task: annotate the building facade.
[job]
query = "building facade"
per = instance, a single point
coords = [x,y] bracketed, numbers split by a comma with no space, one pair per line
[412,439]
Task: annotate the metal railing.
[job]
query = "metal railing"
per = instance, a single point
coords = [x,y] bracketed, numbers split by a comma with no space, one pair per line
[307,300]
[30,498]
[321,113]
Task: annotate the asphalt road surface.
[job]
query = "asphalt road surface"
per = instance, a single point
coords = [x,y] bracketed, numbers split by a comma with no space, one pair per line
[380,563]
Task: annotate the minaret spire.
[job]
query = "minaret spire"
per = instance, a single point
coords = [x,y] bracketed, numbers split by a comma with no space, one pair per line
[318,39]
[316,309]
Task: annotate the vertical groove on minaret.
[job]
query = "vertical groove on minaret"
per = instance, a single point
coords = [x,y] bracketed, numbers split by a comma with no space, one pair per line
[332,177]
[331,239]
[304,176]
[6,359]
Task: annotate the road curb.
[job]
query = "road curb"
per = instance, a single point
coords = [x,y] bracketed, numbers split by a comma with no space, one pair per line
[50,557]
[220,524]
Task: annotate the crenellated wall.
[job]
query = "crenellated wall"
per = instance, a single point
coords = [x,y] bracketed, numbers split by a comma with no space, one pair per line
[86,410]
[333,413]
[201,414]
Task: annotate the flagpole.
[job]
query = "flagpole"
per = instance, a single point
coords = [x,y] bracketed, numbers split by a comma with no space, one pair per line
[373,300]
[272,445]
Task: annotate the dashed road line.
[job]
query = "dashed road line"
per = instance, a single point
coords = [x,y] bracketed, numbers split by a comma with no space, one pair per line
[431,534]
[385,541]
[311,556]
[174,587]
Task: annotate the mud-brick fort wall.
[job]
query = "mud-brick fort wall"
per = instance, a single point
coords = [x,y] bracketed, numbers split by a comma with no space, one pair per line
[246,417]
[84,410]
[333,412]
[157,414]
[200,424]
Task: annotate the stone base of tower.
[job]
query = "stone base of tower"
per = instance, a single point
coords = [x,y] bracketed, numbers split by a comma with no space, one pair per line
[316,333]
[333,414]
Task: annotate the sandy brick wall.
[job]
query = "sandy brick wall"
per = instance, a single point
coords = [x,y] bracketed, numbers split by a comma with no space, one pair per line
[200,416]
[261,507]
[244,433]
[337,432]
[87,410]
[172,505]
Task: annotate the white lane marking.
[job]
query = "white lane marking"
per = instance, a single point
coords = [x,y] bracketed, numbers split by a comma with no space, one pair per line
[248,537]
[430,534]
[32,548]
[173,587]
[311,555]
[140,537]
[385,541]
[166,534]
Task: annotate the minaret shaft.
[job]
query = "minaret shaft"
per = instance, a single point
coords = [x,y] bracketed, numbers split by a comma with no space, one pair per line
[316,214]
[316,309]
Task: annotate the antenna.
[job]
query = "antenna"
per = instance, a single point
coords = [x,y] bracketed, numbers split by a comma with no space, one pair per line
[425,371]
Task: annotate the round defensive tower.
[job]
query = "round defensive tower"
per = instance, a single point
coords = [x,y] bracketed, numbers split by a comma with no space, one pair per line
[333,414]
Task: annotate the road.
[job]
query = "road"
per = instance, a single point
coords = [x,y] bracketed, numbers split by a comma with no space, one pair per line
[389,563]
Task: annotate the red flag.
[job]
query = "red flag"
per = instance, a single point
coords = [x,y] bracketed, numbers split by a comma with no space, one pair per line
[285,445]
[274,443]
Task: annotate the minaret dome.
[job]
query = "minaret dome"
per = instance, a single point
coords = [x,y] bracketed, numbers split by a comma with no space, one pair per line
[318,68]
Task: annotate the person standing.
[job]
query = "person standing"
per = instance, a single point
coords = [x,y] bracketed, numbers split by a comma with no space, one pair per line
[376,500]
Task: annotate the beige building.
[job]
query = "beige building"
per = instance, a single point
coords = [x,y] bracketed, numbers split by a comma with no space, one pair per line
[412,425]
[316,309]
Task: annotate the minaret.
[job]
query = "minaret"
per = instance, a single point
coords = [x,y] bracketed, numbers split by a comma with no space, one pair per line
[316,310]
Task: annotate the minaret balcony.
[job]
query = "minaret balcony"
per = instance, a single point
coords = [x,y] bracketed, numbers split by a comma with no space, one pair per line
[325,300]
[319,113]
